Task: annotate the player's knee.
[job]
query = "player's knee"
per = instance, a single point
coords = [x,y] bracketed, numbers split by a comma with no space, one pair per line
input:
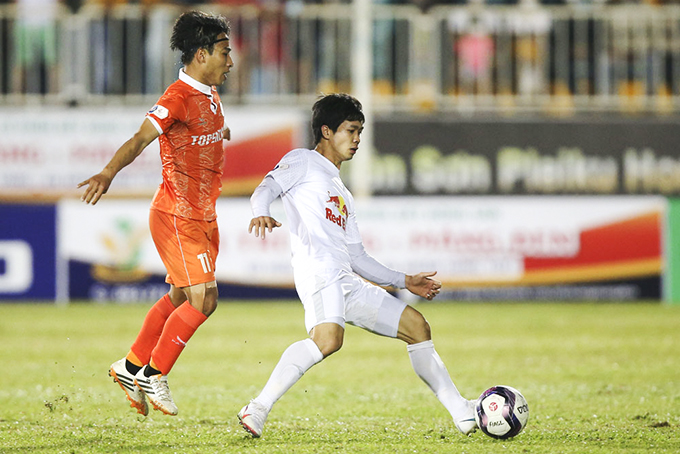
[203,297]
[420,329]
[210,301]
[413,327]
[330,346]
[328,337]
[424,331]
[177,296]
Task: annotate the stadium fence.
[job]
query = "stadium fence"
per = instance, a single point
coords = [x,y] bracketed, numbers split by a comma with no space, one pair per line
[527,57]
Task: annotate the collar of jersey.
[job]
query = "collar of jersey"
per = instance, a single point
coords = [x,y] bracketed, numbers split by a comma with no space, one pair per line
[326,162]
[187,79]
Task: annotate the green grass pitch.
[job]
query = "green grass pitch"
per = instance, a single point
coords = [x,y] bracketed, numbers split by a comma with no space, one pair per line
[599,378]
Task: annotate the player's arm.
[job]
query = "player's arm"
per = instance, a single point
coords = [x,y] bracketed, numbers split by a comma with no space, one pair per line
[97,185]
[369,268]
[262,198]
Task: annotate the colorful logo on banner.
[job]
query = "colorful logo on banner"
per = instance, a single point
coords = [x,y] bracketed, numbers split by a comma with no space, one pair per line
[124,248]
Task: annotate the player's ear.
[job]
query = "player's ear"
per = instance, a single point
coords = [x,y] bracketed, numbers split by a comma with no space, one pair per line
[200,54]
[325,131]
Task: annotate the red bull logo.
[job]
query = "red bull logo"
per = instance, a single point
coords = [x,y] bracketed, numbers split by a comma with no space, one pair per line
[341,207]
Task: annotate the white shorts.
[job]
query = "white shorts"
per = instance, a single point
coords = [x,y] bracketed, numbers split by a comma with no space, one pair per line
[335,296]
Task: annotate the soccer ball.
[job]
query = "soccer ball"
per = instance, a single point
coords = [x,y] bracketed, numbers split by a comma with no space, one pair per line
[501,412]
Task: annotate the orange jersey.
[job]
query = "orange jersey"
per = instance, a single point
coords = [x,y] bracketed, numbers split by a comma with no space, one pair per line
[190,120]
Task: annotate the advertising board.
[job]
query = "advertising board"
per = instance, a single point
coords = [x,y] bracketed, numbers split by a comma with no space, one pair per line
[483,248]
[46,152]
[28,252]
[421,156]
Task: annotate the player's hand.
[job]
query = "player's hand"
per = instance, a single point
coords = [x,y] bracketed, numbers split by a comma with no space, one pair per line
[97,186]
[262,224]
[423,285]
[226,133]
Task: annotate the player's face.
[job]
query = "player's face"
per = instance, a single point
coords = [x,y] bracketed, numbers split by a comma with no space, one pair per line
[218,63]
[344,142]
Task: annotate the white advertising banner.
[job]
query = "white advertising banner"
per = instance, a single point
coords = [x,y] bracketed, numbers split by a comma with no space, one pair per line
[48,151]
[469,241]
[112,241]
[52,150]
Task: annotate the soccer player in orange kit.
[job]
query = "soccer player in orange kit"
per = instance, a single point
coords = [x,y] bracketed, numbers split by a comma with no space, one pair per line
[188,121]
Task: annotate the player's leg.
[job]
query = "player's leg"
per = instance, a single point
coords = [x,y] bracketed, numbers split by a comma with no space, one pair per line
[182,324]
[415,331]
[297,359]
[372,308]
[323,299]
[124,370]
[188,249]
[178,329]
[140,352]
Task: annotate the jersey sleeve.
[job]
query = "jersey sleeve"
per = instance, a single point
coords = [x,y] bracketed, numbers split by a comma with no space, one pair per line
[263,196]
[365,265]
[369,268]
[169,109]
[290,169]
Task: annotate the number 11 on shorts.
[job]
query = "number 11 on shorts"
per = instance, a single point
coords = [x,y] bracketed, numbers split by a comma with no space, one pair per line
[205,262]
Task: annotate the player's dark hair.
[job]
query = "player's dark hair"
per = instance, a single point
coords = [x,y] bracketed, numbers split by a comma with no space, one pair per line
[332,110]
[195,30]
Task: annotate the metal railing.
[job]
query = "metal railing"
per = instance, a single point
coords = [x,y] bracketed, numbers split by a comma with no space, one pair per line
[558,59]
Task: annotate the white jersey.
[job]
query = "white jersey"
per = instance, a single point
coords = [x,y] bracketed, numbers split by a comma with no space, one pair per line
[320,211]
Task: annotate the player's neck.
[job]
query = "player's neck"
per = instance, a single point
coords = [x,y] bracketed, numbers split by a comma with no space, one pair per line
[327,153]
[195,73]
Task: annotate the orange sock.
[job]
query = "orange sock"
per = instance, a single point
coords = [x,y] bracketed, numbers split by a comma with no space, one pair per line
[179,328]
[151,330]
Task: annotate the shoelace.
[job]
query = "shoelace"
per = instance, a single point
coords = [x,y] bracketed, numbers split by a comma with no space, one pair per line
[160,387]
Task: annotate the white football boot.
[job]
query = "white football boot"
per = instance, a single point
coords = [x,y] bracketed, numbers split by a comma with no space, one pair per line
[467,423]
[126,380]
[252,417]
[157,391]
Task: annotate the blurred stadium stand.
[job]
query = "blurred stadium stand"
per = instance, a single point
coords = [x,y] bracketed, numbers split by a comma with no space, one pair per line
[523,57]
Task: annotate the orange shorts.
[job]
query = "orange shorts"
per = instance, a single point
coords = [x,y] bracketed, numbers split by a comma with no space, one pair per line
[188,247]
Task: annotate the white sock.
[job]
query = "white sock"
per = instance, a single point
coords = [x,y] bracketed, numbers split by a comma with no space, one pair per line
[295,361]
[429,367]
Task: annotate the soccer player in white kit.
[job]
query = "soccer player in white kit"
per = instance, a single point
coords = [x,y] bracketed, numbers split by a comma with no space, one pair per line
[328,260]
